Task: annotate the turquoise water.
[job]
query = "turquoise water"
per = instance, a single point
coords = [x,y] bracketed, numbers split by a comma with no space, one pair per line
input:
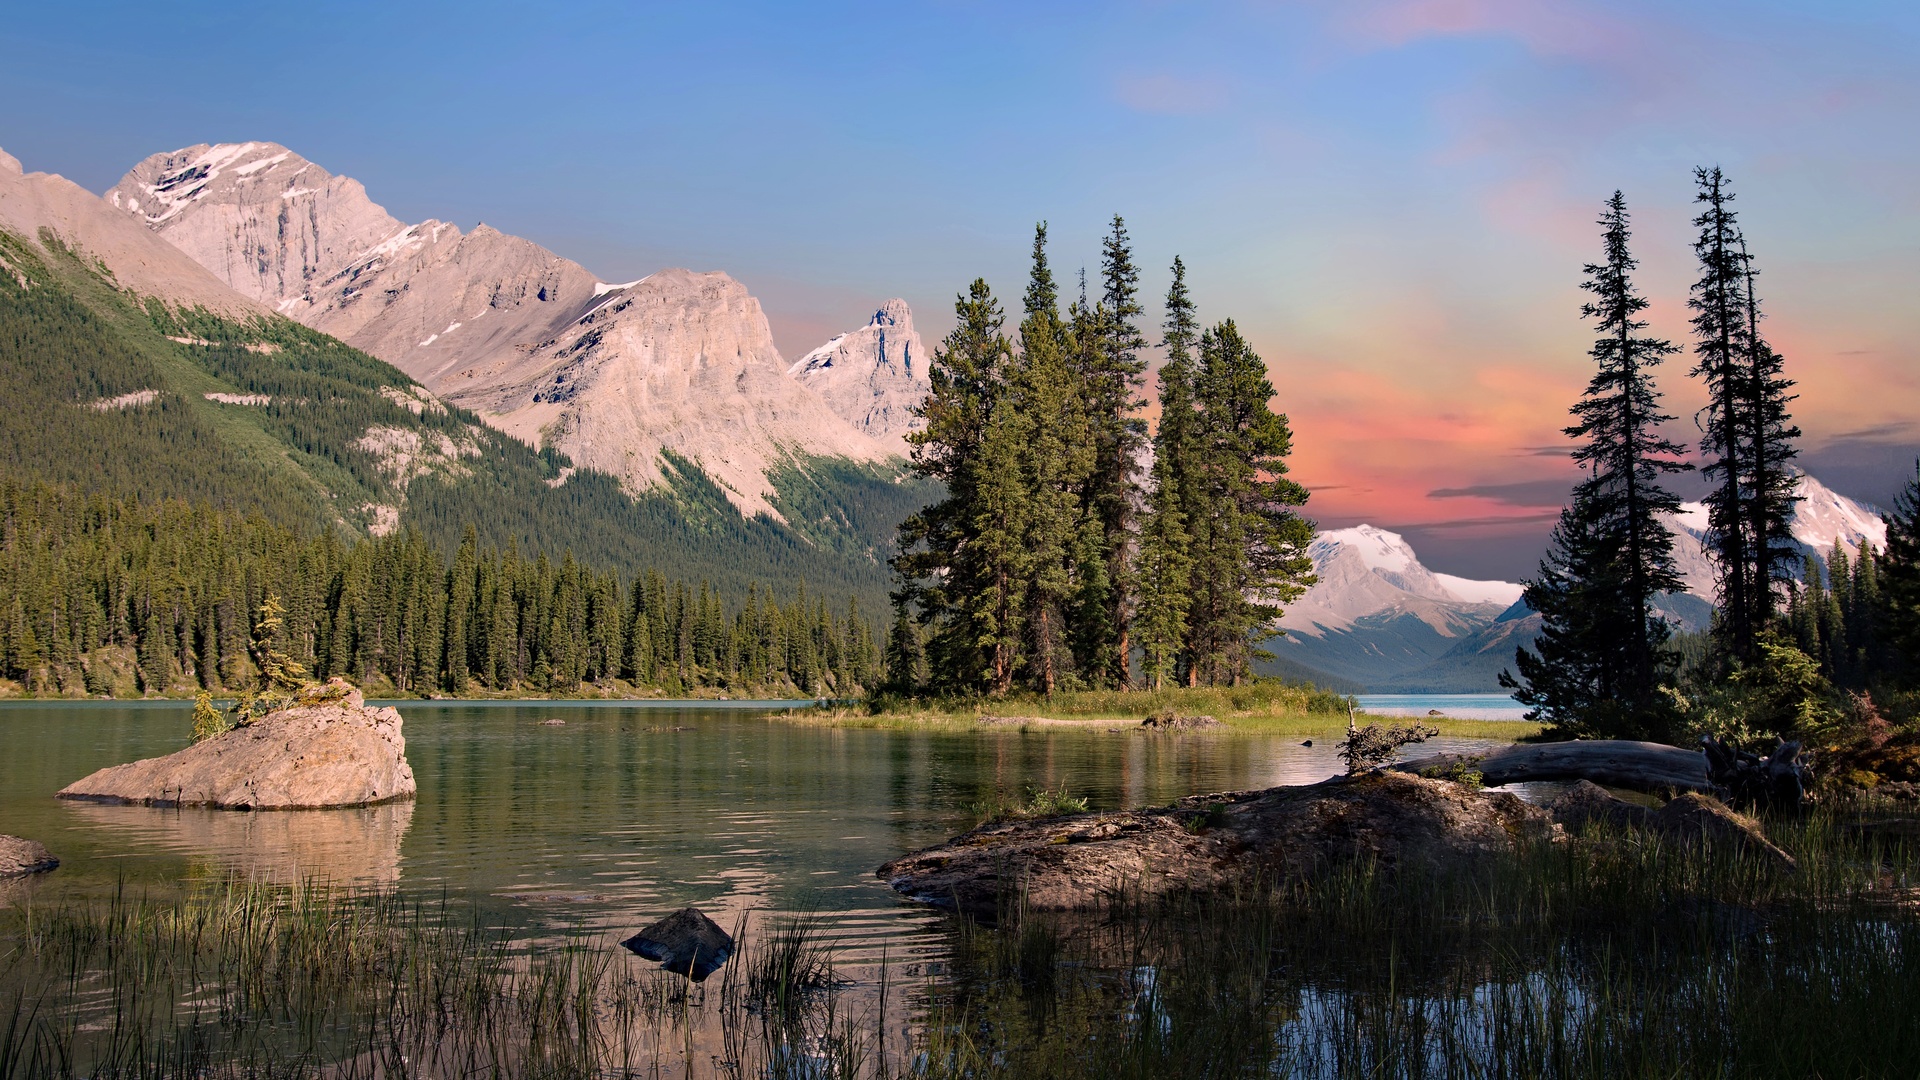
[1458,706]
[623,813]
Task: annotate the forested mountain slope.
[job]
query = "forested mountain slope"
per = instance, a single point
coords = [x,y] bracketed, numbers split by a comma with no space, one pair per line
[115,385]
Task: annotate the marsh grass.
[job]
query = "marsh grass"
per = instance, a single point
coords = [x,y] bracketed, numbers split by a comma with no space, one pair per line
[1038,803]
[1624,955]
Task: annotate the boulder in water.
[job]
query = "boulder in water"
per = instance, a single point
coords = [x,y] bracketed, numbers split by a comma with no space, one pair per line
[19,857]
[328,749]
[685,943]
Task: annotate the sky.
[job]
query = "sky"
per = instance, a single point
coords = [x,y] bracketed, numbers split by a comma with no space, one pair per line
[1393,199]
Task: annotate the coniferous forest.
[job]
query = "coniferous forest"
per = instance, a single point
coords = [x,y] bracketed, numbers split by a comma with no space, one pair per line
[1053,562]
[124,597]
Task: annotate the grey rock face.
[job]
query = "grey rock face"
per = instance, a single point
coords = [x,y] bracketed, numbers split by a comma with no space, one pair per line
[19,856]
[329,750]
[612,375]
[873,377]
[685,943]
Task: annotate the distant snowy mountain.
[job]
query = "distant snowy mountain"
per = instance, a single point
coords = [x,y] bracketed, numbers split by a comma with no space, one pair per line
[1379,619]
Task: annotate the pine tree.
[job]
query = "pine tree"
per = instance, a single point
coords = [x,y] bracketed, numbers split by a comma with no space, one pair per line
[1612,530]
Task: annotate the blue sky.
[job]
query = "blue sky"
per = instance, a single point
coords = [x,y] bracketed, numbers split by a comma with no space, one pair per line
[1393,197]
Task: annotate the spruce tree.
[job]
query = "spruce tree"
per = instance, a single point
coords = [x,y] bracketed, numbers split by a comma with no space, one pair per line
[1164,570]
[1769,434]
[1252,556]
[1898,586]
[1056,457]
[1119,436]
[1612,553]
[961,563]
[1718,301]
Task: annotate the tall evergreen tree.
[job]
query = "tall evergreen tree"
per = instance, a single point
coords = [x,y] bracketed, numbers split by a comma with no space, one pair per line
[1612,553]
[1169,535]
[1899,584]
[1748,435]
[1252,558]
[1114,395]
[1769,435]
[961,561]
[1056,454]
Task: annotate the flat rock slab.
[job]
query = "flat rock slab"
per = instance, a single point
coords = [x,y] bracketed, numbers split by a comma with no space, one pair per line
[329,751]
[1082,862]
[685,943]
[19,856]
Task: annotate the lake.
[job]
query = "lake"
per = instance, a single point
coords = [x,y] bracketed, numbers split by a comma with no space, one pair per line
[1458,706]
[625,812]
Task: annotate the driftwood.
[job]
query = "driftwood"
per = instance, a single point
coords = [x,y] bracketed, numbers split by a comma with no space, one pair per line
[1779,780]
[1654,768]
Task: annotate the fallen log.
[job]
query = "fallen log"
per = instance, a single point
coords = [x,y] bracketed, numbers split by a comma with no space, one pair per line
[1654,768]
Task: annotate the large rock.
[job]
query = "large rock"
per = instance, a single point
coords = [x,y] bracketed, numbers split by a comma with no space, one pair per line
[329,750]
[19,856]
[685,943]
[1083,861]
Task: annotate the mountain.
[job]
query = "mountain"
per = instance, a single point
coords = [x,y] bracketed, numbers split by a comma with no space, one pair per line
[1821,518]
[1380,620]
[623,379]
[129,369]
[873,377]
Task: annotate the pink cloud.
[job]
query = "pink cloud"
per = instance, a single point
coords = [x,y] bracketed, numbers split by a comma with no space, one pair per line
[1545,28]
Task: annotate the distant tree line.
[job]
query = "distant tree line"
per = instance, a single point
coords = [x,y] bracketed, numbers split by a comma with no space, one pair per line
[1054,562]
[116,595]
[1779,650]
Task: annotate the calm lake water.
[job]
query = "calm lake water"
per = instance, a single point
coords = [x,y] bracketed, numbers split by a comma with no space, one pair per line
[620,815]
[1458,706]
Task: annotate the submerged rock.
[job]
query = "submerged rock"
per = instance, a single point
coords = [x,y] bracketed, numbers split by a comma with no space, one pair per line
[1083,861]
[19,856]
[328,750]
[685,943]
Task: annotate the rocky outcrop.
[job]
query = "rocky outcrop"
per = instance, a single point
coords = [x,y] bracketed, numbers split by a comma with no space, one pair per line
[615,376]
[873,377]
[19,857]
[1691,818]
[1084,861]
[328,750]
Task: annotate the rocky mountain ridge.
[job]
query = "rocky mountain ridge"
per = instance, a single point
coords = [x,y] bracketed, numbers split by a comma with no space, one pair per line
[873,377]
[615,376]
